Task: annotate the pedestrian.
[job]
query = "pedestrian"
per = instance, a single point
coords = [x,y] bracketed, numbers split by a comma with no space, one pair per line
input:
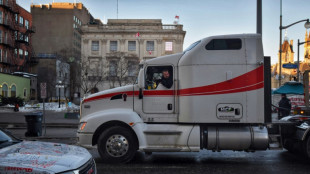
[284,107]
[16,108]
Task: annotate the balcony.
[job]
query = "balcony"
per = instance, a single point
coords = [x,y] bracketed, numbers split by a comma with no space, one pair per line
[10,5]
[31,29]
[6,41]
[4,61]
[9,24]
[172,27]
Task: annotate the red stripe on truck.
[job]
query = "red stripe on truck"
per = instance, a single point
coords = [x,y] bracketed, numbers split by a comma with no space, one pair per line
[252,80]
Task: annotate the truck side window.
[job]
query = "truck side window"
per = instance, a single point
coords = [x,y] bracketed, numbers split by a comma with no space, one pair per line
[224,44]
[159,76]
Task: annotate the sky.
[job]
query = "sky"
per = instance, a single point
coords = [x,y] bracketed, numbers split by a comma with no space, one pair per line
[203,18]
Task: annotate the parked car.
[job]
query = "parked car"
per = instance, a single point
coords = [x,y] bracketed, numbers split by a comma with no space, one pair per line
[17,156]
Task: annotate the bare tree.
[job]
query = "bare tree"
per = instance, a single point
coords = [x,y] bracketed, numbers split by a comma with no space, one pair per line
[122,69]
[92,73]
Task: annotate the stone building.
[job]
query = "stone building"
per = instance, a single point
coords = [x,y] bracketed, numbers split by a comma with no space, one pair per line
[290,74]
[287,58]
[111,52]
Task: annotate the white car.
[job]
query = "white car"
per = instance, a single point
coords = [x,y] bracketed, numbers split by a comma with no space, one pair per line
[17,156]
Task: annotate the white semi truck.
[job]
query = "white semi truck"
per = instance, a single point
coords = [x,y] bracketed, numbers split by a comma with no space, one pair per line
[220,99]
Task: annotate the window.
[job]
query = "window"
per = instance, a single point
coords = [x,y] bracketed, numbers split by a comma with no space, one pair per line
[131,45]
[0,55]
[149,45]
[168,46]
[16,35]
[95,45]
[132,68]
[16,18]
[25,92]
[26,38]
[113,45]
[21,53]
[5,90]
[0,36]
[27,24]
[159,76]
[1,20]
[13,91]
[15,53]
[112,68]
[224,44]
[21,36]
[21,21]
[26,55]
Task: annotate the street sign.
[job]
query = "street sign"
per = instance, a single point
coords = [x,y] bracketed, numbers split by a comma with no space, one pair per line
[289,66]
[43,90]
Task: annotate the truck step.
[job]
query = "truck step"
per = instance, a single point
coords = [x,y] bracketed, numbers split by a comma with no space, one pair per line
[275,142]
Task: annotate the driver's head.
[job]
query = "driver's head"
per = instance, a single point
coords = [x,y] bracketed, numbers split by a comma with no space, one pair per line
[166,74]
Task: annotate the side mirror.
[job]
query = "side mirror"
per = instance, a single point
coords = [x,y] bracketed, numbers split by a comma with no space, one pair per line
[141,79]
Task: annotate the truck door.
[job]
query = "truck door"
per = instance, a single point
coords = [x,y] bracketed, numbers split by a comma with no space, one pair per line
[159,92]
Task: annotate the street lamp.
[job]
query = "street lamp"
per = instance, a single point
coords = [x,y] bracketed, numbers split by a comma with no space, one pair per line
[298,44]
[307,25]
[59,85]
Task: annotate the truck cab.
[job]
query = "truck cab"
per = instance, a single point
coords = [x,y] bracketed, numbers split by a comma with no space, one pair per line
[217,99]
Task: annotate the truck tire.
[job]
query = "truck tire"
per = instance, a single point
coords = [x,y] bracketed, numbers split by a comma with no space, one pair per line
[117,145]
[306,147]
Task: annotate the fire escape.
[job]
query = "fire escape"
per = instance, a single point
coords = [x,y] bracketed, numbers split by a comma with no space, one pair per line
[7,38]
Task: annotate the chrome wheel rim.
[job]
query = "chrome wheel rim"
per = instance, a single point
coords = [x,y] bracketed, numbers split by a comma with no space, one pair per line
[117,145]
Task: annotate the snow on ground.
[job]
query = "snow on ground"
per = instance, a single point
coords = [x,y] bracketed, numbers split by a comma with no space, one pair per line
[47,106]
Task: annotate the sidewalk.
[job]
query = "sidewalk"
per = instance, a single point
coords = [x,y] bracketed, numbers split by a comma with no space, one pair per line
[52,119]
[58,128]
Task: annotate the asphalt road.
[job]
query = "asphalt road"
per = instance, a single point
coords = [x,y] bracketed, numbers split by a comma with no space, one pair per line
[261,162]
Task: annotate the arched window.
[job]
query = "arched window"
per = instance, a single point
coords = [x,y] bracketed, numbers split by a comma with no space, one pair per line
[5,90]
[13,91]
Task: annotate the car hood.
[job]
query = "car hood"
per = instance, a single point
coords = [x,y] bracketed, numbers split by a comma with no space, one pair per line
[43,156]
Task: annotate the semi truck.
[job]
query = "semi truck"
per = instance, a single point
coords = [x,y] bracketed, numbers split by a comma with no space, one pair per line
[220,99]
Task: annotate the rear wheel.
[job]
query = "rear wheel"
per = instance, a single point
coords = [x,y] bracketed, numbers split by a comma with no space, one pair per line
[306,148]
[117,145]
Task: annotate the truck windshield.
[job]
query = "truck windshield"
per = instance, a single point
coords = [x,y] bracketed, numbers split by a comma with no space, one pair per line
[191,46]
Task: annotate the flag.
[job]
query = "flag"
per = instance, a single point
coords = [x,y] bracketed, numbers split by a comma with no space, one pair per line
[150,52]
[138,34]
[177,17]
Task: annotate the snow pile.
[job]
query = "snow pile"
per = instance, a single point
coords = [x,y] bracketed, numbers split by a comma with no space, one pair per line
[49,106]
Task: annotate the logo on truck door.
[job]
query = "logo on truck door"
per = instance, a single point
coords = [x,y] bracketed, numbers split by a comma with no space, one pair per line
[228,111]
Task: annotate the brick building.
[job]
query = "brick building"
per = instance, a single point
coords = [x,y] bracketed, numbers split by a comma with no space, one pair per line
[15,38]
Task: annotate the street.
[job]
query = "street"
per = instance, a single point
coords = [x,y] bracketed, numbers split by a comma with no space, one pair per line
[209,162]
[63,130]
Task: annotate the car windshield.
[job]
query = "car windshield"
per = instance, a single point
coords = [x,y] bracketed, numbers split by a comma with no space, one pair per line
[191,46]
[6,139]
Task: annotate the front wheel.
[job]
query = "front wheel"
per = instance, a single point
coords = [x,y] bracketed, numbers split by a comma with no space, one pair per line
[117,145]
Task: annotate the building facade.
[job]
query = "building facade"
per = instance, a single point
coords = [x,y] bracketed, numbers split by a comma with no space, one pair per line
[14,86]
[53,71]
[16,31]
[290,74]
[58,33]
[111,52]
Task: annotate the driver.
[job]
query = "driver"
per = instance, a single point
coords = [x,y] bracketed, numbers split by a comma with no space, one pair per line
[166,79]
